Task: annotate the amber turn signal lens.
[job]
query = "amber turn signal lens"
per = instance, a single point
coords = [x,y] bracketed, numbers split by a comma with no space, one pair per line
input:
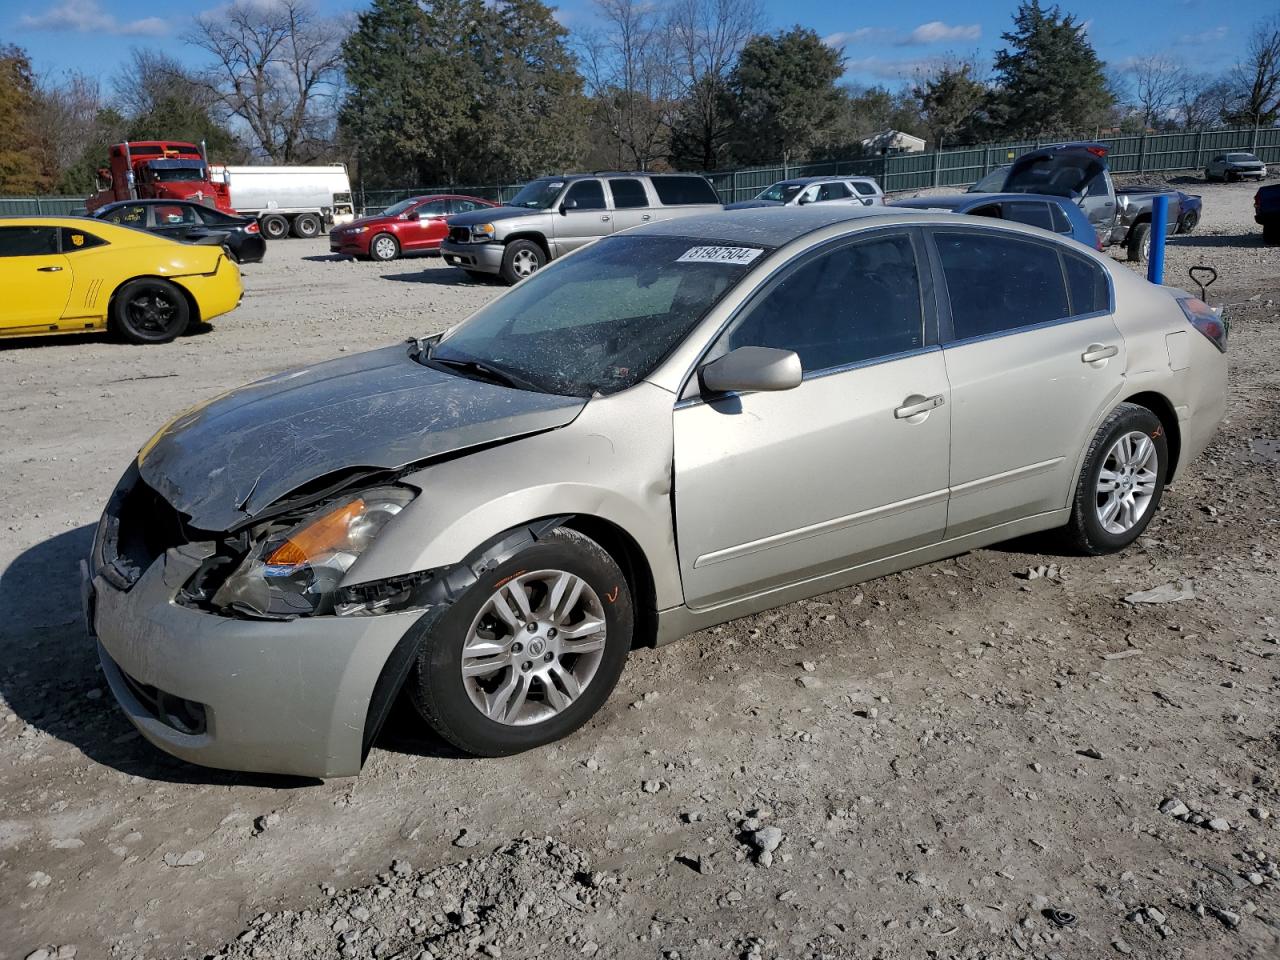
[325,535]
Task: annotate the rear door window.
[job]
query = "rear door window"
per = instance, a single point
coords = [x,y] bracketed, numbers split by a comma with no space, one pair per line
[628,193]
[677,191]
[999,284]
[173,215]
[28,241]
[585,195]
[833,191]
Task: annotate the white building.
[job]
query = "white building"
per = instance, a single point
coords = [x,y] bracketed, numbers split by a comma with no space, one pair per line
[889,142]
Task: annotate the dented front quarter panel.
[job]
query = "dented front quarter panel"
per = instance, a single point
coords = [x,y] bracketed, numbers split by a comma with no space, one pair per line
[613,463]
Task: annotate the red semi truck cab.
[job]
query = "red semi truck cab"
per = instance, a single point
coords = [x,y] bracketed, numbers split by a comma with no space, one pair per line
[158,169]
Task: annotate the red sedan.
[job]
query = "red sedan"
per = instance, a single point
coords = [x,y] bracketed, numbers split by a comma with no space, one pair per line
[416,225]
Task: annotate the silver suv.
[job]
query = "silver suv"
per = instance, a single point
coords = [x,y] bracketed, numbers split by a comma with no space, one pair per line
[552,215]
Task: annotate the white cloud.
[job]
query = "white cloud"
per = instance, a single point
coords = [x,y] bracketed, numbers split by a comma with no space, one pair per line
[861,35]
[1211,35]
[87,16]
[935,31]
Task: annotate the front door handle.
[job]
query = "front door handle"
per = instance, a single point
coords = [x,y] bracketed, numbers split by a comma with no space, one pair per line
[605,219]
[48,269]
[916,404]
[644,216]
[1098,351]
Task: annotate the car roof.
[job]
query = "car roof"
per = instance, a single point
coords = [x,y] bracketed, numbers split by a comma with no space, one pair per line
[619,173]
[949,201]
[801,181]
[767,226]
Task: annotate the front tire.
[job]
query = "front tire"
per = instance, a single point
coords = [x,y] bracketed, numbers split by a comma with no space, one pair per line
[1271,234]
[149,310]
[1121,482]
[1189,222]
[522,258]
[384,247]
[530,652]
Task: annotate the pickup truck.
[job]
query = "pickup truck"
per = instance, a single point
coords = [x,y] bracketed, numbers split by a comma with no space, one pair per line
[1079,171]
[552,216]
[1266,211]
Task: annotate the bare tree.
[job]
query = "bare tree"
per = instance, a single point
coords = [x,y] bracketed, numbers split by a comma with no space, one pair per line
[67,116]
[151,77]
[1255,81]
[1155,82]
[630,77]
[277,69]
[706,38]
[1200,100]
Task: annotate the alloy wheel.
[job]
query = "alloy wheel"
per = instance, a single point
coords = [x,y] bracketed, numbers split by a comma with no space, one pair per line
[151,312]
[524,263]
[384,248]
[534,647]
[1127,482]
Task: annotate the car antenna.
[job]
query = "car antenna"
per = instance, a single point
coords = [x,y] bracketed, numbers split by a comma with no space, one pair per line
[1204,285]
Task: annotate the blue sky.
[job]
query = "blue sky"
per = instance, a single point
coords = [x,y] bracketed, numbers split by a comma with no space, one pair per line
[883,43]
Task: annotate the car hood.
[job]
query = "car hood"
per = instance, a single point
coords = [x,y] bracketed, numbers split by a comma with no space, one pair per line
[225,461]
[489,214]
[749,204]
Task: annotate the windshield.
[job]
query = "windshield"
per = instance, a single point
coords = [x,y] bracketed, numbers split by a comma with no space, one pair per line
[538,195]
[602,319]
[177,174]
[398,208]
[993,182]
[1241,157]
[781,192]
[1059,174]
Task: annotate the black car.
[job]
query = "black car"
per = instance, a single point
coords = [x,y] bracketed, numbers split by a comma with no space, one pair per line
[190,222]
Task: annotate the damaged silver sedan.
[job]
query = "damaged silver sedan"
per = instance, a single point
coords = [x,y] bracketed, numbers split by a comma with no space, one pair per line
[673,427]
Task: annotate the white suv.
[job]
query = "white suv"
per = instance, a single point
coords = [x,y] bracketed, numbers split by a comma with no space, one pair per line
[856,191]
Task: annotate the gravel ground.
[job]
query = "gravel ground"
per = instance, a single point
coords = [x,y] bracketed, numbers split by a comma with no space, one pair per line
[978,741]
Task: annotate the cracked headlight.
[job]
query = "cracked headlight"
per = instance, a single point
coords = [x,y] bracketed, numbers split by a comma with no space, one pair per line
[295,571]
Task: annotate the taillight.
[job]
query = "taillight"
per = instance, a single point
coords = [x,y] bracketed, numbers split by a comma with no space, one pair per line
[1205,319]
[251,227]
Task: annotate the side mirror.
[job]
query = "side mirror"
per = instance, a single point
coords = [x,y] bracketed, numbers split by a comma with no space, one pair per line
[804,198]
[412,215]
[752,369]
[567,206]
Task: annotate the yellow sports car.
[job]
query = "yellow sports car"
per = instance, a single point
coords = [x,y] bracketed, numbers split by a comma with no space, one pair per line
[71,275]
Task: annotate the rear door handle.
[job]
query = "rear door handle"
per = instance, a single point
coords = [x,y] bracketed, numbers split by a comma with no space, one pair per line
[644,216]
[916,404]
[1098,351]
[48,269]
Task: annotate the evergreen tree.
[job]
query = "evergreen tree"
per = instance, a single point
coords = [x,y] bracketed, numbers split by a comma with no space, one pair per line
[785,85]
[1049,77]
[21,169]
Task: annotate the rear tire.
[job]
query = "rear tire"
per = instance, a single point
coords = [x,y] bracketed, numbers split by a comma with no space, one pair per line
[1121,482]
[1139,242]
[274,226]
[306,226]
[525,685]
[1271,234]
[149,310]
[522,258]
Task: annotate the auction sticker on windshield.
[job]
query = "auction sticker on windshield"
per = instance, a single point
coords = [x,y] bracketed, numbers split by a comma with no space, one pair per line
[739,256]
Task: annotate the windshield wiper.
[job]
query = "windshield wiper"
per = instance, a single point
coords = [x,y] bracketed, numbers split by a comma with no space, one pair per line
[483,371]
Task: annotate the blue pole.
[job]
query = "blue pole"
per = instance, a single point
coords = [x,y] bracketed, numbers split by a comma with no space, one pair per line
[1159,223]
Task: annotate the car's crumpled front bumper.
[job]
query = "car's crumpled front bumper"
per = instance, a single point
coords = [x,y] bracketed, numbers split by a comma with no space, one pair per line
[286,697]
[479,257]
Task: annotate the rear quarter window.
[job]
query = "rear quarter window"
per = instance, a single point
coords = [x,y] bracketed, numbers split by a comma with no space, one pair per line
[682,191]
[1087,283]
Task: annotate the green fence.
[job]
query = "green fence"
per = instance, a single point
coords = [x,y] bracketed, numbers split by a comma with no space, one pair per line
[958,167]
[40,206]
